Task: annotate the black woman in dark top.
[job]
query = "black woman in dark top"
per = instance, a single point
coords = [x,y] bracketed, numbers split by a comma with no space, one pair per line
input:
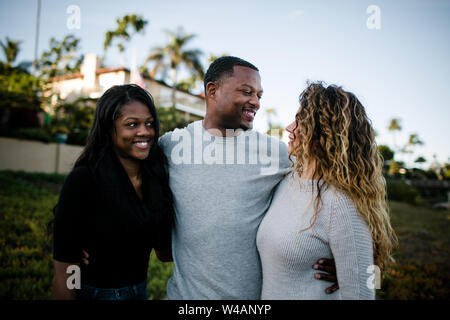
[115,204]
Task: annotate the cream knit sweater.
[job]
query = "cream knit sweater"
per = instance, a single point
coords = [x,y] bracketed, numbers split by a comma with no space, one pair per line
[287,255]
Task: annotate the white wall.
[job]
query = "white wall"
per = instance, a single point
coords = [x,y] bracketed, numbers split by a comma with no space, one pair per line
[35,156]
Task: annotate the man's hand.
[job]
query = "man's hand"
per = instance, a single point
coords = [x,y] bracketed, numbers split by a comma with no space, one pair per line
[86,257]
[164,256]
[328,266]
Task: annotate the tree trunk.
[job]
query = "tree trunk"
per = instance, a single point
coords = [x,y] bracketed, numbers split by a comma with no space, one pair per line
[174,86]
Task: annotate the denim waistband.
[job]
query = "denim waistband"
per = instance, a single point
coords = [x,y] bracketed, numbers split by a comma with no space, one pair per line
[134,292]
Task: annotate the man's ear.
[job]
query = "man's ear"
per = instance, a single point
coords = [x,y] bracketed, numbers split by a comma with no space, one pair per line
[211,89]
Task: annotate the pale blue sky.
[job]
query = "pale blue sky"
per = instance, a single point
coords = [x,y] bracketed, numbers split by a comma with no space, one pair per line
[401,70]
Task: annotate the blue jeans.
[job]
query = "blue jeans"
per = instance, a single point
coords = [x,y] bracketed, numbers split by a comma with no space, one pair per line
[136,292]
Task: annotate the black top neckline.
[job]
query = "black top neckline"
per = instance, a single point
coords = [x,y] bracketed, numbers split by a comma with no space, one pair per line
[117,189]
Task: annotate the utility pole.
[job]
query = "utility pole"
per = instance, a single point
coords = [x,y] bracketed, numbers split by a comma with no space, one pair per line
[36,38]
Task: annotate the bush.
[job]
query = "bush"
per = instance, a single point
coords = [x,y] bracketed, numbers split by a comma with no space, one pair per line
[386,152]
[38,178]
[33,134]
[170,119]
[401,191]
[78,137]
[157,276]
[20,98]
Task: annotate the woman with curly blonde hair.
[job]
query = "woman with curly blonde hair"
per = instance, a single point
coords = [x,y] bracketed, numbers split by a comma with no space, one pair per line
[332,205]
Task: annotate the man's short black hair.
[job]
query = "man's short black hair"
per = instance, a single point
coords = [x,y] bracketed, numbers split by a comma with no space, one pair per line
[223,66]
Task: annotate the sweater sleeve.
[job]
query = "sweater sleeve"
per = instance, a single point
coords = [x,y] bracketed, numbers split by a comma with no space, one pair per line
[351,245]
[68,222]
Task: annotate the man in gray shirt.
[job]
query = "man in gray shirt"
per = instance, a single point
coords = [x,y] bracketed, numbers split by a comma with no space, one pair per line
[222,175]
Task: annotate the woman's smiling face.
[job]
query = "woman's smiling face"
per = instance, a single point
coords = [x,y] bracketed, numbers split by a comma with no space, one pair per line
[291,129]
[134,132]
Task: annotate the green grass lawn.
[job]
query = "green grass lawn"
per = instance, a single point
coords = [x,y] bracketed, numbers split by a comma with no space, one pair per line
[26,201]
[422,258]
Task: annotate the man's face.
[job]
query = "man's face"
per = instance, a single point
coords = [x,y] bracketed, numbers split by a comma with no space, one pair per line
[237,99]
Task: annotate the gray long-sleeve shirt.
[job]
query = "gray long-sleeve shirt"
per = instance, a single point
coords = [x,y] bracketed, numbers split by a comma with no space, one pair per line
[222,187]
[287,253]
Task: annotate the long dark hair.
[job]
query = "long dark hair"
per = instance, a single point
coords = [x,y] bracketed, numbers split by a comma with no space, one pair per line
[108,108]
[99,141]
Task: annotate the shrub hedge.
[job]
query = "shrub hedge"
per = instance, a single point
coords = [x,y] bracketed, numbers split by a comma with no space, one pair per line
[401,191]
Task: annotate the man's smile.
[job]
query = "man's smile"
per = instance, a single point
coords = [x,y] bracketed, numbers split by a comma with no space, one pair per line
[249,113]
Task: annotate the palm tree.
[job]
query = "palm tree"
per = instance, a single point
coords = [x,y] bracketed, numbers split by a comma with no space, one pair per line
[270,112]
[61,58]
[10,50]
[122,31]
[394,125]
[190,83]
[276,130]
[413,140]
[173,56]
[420,160]
[213,57]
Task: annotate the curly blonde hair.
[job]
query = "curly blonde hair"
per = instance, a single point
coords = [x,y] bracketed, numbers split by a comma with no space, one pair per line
[334,133]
